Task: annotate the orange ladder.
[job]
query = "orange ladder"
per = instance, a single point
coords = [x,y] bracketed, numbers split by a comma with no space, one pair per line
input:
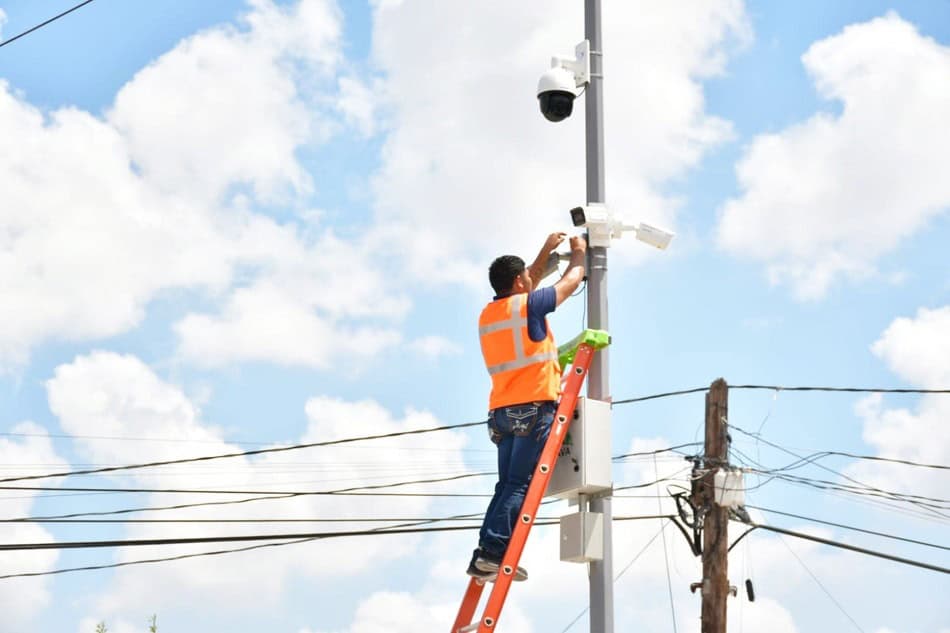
[581,351]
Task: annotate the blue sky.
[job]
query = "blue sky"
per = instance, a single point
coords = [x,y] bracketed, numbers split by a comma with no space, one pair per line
[234,224]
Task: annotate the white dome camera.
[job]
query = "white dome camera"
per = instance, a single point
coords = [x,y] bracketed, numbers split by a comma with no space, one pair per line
[557,87]
[556,94]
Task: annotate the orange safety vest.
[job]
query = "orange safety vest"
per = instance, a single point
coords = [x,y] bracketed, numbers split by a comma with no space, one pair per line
[521,370]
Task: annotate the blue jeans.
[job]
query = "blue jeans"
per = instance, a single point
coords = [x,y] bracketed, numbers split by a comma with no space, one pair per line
[519,431]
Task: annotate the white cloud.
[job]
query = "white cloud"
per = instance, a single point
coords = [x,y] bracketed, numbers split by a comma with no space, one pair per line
[358,104]
[106,393]
[469,166]
[435,346]
[918,351]
[827,197]
[101,215]
[315,302]
[223,108]
[23,599]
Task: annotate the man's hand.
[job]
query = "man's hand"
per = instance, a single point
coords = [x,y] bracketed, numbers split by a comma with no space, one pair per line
[554,240]
[540,265]
[572,277]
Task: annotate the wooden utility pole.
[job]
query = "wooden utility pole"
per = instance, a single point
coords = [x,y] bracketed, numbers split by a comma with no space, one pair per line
[715,585]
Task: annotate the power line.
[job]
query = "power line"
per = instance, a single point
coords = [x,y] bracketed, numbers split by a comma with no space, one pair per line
[353,491]
[817,455]
[821,585]
[181,556]
[376,531]
[15,547]
[290,520]
[893,460]
[657,396]
[652,483]
[896,506]
[850,527]
[853,548]
[618,576]
[261,451]
[238,492]
[666,554]
[682,392]
[659,450]
[930,502]
[431,429]
[270,493]
[834,472]
[42,24]
[840,389]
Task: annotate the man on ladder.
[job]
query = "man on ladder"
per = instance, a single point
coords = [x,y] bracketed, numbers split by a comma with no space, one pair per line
[522,360]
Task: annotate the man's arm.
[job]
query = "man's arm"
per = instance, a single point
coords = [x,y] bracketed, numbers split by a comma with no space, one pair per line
[574,275]
[536,269]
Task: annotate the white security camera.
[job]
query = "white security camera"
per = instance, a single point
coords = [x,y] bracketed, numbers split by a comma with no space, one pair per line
[556,94]
[602,227]
[557,87]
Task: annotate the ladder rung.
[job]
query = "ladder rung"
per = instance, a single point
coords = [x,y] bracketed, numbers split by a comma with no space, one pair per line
[470,627]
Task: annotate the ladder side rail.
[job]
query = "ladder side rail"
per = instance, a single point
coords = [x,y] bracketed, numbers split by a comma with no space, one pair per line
[469,603]
[537,488]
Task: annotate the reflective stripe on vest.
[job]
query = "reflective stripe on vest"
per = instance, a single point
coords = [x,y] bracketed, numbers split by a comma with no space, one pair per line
[514,323]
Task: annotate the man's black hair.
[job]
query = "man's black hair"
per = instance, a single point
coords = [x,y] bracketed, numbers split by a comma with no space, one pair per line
[503,272]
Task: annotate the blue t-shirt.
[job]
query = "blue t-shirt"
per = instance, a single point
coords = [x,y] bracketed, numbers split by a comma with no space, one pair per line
[540,303]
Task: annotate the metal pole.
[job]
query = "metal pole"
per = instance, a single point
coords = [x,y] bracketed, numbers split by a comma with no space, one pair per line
[598,385]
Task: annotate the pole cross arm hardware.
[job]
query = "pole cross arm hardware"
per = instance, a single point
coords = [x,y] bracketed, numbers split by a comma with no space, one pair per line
[598,339]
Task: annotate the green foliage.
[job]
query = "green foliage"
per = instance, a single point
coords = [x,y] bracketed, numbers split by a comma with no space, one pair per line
[101,628]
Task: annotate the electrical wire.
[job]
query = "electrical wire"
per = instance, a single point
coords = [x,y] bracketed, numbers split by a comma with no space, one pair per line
[277,492]
[896,507]
[656,396]
[924,501]
[618,576]
[821,585]
[175,558]
[659,450]
[850,527]
[467,517]
[16,547]
[236,492]
[266,495]
[840,389]
[932,510]
[652,483]
[261,451]
[666,554]
[853,548]
[352,491]
[814,457]
[434,429]
[377,531]
[322,520]
[42,24]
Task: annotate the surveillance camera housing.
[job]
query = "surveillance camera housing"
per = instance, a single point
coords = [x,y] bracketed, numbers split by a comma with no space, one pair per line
[578,218]
[556,94]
